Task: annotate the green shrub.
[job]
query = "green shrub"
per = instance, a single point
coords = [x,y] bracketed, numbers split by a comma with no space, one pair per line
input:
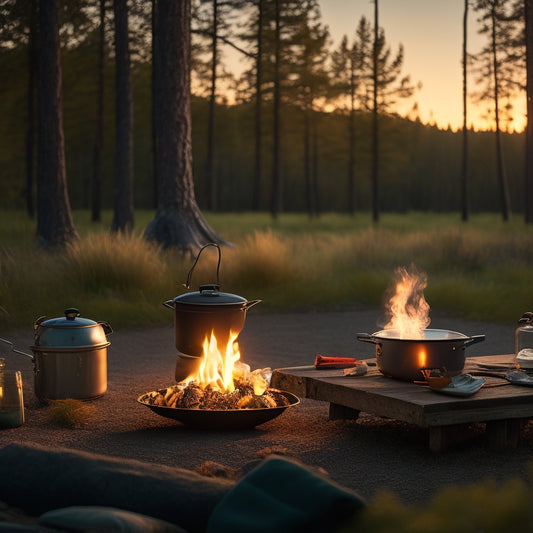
[481,507]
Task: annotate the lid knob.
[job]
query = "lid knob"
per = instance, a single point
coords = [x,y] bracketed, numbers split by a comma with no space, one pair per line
[211,289]
[71,313]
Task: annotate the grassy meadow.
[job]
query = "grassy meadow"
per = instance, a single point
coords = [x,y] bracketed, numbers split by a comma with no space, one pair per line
[481,269]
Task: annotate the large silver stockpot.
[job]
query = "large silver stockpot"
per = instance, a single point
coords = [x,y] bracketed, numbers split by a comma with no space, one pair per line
[69,357]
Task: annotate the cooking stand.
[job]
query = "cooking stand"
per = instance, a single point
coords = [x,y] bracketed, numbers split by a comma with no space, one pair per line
[500,405]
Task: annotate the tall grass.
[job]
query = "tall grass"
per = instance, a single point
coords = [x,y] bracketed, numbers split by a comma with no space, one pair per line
[479,270]
[485,506]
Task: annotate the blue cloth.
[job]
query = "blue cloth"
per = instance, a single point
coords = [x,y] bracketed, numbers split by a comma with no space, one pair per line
[283,496]
[37,479]
[88,518]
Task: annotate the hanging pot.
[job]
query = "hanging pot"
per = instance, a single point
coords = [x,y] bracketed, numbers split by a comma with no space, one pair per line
[69,357]
[200,313]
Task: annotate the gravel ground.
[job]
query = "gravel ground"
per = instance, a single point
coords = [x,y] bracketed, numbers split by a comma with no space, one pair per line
[366,455]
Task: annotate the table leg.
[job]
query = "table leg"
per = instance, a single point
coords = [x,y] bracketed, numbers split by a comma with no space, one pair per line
[341,412]
[442,437]
[438,438]
[502,434]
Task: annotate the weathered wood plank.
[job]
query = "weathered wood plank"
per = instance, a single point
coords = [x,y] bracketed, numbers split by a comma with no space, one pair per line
[417,404]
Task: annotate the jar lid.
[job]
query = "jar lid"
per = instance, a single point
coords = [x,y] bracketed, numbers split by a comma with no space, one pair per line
[526,319]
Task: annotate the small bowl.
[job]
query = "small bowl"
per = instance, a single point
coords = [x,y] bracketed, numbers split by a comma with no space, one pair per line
[436,378]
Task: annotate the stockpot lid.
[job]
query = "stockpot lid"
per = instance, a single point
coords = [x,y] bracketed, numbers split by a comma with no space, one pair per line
[209,295]
[70,331]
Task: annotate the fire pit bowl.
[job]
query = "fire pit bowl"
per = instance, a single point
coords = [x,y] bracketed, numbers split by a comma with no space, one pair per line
[405,358]
[220,419]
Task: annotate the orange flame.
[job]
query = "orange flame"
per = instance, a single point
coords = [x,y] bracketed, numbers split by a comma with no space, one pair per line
[422,358]
[408,308]
[216,369]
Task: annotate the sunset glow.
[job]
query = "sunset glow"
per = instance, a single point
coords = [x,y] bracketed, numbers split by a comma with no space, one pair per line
[432,58]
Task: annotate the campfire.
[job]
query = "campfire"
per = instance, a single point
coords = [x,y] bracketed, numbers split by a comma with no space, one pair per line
[221,381]
[214,389]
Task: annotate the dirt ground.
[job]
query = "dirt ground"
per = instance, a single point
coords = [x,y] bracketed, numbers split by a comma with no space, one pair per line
[366,455]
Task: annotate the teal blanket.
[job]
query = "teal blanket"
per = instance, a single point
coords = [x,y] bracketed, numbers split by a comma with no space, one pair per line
[283,496]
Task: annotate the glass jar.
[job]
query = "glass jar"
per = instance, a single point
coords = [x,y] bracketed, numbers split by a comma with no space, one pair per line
[524,342]
[11,398]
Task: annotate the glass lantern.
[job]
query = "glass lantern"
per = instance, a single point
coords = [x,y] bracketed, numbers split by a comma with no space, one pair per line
[524,342]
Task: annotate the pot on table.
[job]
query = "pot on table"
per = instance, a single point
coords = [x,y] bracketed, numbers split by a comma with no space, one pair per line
[404,358]
[198,314]
[69,357]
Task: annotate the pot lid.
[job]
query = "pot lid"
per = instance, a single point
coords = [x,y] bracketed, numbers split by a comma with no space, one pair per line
[70,331]
[71,319]
[209,295]
[429,335]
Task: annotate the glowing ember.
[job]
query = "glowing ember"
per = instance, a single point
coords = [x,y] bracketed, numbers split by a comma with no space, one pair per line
[408,308]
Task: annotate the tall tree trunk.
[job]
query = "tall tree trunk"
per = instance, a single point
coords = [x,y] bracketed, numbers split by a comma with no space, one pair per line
[276,159]
[502,176]
[464,167]
[98,153]
[528,200]
[351,140]
[55,226]
[33,64]
[123,218]
[314,173]
[307,164]
[375,132]
[211,188]
[154,92]
[178,221]
[256,198]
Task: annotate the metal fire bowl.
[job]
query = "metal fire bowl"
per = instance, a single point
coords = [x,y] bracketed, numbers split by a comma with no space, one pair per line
[221,419]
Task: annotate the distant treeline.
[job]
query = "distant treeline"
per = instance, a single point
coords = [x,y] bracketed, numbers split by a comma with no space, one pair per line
[420,165]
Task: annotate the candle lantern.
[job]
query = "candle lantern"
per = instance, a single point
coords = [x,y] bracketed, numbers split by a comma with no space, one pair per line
[524,342]
[11,398]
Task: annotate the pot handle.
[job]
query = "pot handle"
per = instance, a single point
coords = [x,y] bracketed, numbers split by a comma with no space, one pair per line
[366,337]
[106,327]
[188,284]
[13,349]
[247,305]
[169,304]
[475,339]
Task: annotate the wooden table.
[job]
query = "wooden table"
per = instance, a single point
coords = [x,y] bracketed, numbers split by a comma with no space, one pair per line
[500,404]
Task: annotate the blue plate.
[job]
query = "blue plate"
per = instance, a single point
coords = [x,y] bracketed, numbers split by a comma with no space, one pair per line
[462,385]
[518,377]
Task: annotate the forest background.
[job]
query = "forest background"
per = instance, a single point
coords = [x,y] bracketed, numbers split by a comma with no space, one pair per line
[420,164]
[482,269]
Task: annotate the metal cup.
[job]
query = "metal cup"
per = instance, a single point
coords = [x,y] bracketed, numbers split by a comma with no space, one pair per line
[11,399]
